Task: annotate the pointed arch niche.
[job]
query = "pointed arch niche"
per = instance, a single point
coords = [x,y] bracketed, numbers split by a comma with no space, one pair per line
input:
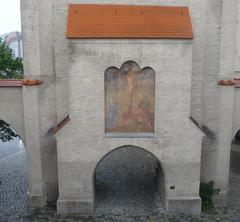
[129,100]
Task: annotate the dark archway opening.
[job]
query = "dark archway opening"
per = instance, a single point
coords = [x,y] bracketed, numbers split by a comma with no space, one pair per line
[13,172]
[236,139]
[235,154]
[129,181]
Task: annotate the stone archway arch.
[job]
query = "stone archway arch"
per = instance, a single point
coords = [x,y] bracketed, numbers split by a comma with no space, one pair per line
[146,148]
[127,170]
[12,110]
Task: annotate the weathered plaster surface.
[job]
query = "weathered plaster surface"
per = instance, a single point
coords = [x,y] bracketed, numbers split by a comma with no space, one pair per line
[82,143]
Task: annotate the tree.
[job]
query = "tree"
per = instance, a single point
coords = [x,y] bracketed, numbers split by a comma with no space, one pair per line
[6,132]
[10,67]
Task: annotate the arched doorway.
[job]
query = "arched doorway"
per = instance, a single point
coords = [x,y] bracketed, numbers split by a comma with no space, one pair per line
[129,180]
[13,173]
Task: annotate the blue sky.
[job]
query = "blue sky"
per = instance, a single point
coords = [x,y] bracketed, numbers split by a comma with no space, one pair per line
[10,19]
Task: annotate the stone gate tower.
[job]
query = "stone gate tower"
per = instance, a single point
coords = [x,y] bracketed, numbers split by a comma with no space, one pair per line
[69,116]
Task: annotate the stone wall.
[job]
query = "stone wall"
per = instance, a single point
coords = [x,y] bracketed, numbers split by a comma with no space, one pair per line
[11,106]
[40,101]
[217,106]
[46,57]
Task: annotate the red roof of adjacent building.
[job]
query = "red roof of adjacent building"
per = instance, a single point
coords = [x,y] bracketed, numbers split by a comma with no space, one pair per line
[10,83]
[128,21]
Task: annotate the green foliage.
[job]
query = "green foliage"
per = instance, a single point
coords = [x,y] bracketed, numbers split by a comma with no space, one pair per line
[10,67]
[207,191]
[6,132]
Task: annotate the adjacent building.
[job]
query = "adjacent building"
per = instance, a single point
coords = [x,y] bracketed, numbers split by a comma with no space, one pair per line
[14,40]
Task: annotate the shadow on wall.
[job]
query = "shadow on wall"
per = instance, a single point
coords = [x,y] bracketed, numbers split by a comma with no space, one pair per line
[129,180]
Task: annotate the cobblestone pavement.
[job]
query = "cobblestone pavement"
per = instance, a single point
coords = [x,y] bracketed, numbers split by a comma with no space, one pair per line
[11,147]
[13,202]
[127,183]
[13,185]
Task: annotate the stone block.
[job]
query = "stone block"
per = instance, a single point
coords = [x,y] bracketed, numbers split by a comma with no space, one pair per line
[185,205]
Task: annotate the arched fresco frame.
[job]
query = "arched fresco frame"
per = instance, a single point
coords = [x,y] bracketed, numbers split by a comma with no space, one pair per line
[129,100]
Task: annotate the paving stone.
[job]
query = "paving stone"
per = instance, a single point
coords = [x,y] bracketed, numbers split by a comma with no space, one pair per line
[14,206]
[13,186]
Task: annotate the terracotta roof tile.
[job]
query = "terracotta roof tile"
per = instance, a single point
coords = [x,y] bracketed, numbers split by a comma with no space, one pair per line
[230,82]
[10,83]
[31,82]
[128,21]
[61,125]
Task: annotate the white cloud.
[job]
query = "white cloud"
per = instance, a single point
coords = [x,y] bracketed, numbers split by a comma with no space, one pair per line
[10,19]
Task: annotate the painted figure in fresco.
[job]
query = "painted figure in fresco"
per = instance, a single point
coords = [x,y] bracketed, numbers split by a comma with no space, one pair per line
[144,113]
[112,113]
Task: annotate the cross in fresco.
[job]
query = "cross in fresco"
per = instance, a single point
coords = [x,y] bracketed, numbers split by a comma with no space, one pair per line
[130,77]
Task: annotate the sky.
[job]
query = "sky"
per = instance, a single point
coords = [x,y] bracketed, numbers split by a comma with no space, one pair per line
[10,17]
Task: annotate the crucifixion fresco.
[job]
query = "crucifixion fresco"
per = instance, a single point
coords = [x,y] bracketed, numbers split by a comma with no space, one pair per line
[129,99]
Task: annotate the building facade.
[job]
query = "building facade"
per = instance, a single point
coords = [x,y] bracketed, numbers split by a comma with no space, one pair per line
[71,120]
[14,41]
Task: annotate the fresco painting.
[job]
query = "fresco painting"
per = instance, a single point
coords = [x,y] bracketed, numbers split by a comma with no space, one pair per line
[129,99]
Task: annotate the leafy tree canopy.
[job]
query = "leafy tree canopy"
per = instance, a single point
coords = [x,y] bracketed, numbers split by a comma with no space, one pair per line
[10,67]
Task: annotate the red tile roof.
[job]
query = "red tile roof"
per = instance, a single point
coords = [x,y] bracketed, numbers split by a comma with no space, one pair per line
[128,21]
[230,82]
[10,83]
[61,125]
[19,82]
[31,82]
